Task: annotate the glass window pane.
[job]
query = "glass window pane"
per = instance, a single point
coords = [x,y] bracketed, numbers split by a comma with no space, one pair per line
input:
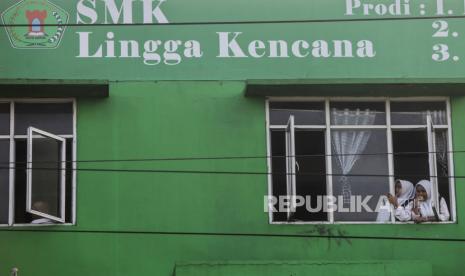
[358,113]
[442,163]
[410,155]
[4,180]
[359,152]
[305,113]
[278,166]
[4,119]
[52,117]
[311,174]
[46,175]
[414,113]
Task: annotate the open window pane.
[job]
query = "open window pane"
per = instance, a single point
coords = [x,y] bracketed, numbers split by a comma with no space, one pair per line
[415,113]
[4,180]
[410,155]
[290,165]
[359,152]
[432,160]
[442,165]
[46,175]
[311,174]
[305,113]
[358,113]
[52,117]
[278,166]
[4,118]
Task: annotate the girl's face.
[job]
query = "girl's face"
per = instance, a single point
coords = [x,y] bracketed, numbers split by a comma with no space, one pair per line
[420,193]
[398,188]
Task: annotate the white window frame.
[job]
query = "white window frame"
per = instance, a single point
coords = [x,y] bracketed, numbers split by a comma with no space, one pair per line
[12,153]
[433,170]
[29,168]
[389,128]
[290,166]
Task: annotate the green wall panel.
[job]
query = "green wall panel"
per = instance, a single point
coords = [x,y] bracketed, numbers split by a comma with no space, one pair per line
[400,48]
[144,223]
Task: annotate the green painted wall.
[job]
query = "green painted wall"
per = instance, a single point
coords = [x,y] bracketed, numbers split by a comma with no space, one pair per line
[401,48]
[146,223]
[120,215]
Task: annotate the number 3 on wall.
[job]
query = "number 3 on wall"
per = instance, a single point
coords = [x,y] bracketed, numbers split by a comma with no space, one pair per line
[440,52]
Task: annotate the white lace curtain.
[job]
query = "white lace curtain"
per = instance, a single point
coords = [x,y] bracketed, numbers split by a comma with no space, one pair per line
[348,144]
[439,117]
[441,149]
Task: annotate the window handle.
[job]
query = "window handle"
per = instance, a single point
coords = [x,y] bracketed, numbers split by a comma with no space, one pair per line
[297,165]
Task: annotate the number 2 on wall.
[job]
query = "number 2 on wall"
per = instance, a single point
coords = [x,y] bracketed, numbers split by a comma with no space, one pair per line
[442,28]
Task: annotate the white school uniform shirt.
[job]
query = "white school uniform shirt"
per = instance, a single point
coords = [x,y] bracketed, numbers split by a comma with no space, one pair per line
[407,192]
[426,206]
[42,221]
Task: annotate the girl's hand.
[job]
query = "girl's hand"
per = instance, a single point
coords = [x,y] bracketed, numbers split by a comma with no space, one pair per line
[393,200]
[416,208]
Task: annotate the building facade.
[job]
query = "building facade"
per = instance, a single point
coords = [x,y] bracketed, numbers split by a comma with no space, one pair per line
[164,137]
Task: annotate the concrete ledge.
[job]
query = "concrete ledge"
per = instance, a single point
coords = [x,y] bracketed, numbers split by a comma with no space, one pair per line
[305,268]
[355,89]
[53,90]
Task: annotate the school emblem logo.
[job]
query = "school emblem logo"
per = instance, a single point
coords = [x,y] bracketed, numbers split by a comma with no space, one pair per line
[42,24]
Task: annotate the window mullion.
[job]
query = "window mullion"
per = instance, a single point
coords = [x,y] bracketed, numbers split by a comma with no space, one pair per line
[451,164]
[12,165]
[329,168]
[432,161]
[290,165]
[63,180]
[390,155]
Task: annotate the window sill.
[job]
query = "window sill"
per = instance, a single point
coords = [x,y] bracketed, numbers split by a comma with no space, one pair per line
[355,222]
[23,225]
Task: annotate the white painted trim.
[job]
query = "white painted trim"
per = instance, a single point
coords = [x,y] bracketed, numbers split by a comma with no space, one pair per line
[43,133]
[452,187]
[74,166]
[417,126]
[296,99]
[29,168]
[290,165]
[298,127]
[12,165]
[41,100]
[359,222]
[431,137]
[358,127]
[390,156]
[357,99]
[38,136]
[419,99]
[40,225]
[300,222]
[268,159]
[329,164]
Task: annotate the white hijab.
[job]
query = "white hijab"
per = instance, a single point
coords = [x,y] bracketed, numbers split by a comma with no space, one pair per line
[426,206]
[407,191]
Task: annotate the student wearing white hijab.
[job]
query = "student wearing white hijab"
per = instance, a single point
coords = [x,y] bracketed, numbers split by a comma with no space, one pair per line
[402,200]
[423,210]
